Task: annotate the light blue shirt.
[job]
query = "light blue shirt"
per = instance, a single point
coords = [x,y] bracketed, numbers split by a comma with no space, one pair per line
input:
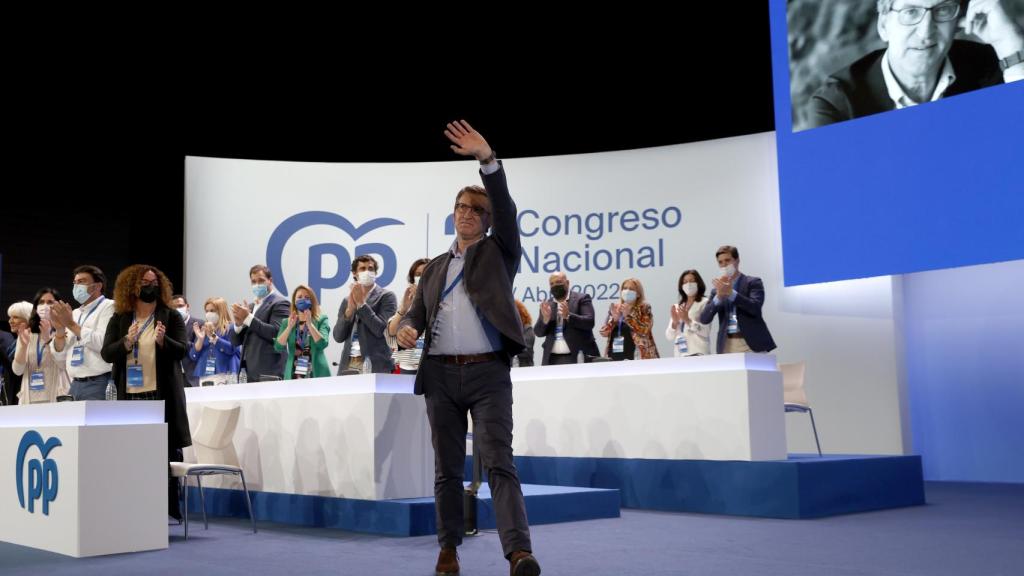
[732,295]
[459,327]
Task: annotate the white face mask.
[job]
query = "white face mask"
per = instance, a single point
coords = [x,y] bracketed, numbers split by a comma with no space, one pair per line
[689,288]
[212,317]
[366,277]
[183,311]
[728,270]
[43,310]
[416,280]
[629,295]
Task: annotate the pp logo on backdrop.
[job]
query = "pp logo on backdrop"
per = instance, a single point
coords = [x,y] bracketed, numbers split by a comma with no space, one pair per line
[316,279]
[42,472]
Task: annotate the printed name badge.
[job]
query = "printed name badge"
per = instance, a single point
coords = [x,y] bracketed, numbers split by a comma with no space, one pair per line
[36,381]
[301,366]
[135,376]
[418,352]
[733,327]
[77,355]
[560,333]
[681,343]
[211,365]
[619,345]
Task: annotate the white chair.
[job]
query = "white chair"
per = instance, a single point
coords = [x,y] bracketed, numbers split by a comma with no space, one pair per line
[793,394]
[215,453]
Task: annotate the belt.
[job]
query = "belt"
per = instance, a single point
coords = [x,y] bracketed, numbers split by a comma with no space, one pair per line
[463,359]
[736,335]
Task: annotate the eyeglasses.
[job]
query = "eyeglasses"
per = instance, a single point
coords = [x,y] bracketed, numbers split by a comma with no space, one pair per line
[150,283]
[912,15]
[462,208]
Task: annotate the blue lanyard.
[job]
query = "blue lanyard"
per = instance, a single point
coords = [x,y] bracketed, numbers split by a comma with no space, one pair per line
[620,325]
[135,347]
[300,337]
[448,290]
[98,302]
[39,352]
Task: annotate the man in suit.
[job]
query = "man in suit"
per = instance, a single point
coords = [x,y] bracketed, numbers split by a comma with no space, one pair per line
[362,319]
[188,365]
[567,322]
[465,308]
[11,381]
[922,61]
[256,327]
[737,300]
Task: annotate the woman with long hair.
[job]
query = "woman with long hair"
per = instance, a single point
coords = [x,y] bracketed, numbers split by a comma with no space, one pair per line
[145,342]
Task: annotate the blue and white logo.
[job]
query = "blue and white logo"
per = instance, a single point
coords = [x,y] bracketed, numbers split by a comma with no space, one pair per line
[42,472]
[316,280]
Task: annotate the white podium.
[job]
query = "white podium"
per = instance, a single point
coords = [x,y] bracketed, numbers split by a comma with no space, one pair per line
[91,477]
[364,437]
[719,407]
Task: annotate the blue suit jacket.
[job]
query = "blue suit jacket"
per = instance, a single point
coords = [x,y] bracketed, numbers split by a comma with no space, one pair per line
[749,299]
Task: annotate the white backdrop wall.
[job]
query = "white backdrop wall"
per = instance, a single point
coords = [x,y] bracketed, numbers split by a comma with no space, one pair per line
[603,217]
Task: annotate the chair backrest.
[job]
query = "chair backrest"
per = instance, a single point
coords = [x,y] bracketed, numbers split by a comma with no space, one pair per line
[793,383]
[216,427]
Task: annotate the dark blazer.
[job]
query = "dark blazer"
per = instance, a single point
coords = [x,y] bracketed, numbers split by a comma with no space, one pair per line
[490,266]
[859,89]
[526,356]
[12,381]
[257,339]
[169,380]
[749,299]
[188,364]
[372,320]
[578,328]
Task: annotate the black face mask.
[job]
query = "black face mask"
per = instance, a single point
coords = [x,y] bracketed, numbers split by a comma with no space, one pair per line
[148,294]
[559,291]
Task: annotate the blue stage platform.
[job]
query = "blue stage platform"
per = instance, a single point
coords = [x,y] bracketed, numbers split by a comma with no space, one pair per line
[802,486]
[407,517]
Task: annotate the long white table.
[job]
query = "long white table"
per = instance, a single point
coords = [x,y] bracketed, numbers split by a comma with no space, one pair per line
[719,407]
[91,477]
[367,437]
[364,437]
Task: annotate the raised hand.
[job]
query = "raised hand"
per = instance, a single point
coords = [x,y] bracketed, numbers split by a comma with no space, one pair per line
[466,141]
[407,337]
[161,330]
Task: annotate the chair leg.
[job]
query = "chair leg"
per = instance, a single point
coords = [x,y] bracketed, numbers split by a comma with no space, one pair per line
[180,493]
[815,428]
[202,500]
[185,515]
[248,500]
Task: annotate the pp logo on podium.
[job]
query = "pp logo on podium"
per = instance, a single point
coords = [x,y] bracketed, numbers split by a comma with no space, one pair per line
[41,473]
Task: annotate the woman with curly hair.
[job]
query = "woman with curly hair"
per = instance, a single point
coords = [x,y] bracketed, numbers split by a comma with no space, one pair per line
[628,325]
[145,342]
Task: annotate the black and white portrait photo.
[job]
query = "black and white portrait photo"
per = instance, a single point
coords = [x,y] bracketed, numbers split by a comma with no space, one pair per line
[853,58]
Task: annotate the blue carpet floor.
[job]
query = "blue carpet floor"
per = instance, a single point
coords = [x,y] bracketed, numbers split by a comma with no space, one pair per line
[964,530]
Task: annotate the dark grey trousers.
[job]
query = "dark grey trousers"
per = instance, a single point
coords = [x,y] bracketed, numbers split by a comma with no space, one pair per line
[484,390]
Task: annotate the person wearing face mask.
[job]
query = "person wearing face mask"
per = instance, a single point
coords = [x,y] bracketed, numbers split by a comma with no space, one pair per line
[145,342]
[44,378]
[211,351]
[737,300]
[629,323]
[256,327]
[686,333]
[18,315]
[304,337]
[408,359]
[78,340]
[188,365]
[363,318]
[567,324]
[10,383]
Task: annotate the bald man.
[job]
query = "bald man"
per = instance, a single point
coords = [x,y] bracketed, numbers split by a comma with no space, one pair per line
[567,323]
